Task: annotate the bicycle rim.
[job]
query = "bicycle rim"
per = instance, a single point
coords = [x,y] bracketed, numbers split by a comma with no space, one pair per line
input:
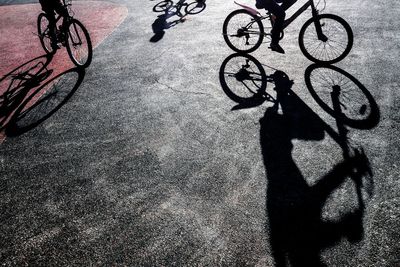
[43,32]
[79,46]
[243,32]
[338,44]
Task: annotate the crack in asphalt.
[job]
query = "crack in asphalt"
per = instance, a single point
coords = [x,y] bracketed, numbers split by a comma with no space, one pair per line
[180,91]
[157,57]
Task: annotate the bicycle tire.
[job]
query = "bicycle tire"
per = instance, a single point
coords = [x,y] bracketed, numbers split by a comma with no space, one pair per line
[227,35]
[244,93]
[358,108]
[334,50]
[82,58]
[163,6]
[44,37]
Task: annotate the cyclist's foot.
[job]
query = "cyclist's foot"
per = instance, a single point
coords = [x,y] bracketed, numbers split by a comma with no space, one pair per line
[277,48]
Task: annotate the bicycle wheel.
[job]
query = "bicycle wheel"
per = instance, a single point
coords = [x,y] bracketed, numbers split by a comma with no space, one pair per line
[243,32]
[79,45]
[243,78]
[342,96]
[44,33]
[163,6]
[338,44]
[195,7]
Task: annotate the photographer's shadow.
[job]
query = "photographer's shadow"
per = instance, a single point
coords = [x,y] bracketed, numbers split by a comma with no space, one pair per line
[298,233]
[297,230]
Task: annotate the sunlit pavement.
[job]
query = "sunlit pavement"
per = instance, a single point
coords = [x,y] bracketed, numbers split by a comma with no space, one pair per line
[144,159]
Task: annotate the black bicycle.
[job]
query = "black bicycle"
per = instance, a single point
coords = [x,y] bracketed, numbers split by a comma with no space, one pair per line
[324,38]
[74,36]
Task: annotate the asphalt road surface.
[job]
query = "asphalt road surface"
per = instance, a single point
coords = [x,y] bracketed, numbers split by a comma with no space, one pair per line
[146,158]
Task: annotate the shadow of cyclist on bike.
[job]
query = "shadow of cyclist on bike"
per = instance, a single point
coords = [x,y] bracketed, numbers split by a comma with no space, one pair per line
[298,231]
[49,7]
[172,10]
[161,24]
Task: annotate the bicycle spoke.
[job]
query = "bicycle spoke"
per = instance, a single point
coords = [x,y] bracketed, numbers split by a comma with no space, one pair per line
[243,78]
[353,102]
[44,33]
[79,46]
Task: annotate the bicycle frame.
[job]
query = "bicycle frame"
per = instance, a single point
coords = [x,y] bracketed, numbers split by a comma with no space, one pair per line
[300,11]
[314,13]
[179,6]
[66,31]
[342,140]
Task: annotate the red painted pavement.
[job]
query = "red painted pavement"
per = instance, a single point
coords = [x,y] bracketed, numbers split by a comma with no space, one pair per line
[19,43]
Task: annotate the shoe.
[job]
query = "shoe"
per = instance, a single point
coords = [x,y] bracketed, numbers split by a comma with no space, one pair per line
[277,48]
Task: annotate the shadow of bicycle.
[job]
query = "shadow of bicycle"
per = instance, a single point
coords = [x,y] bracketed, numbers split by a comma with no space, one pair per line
[298,225]
[173,14]
[29,95]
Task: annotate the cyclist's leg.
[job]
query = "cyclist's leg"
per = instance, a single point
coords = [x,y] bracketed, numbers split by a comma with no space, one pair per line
[287,3]
[63,12]
[280,14]
[52,27]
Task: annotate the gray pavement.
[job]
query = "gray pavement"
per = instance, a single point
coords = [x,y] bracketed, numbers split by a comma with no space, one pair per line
[148,163]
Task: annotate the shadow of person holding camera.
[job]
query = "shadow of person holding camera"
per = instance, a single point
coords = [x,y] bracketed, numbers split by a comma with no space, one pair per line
[298,231]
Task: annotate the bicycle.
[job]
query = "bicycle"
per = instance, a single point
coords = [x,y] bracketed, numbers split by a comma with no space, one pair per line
[328,42]
[74,36]
[190,9]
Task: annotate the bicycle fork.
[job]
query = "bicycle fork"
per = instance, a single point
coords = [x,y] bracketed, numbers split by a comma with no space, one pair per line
[355,175]
[76,36]
[321,36]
